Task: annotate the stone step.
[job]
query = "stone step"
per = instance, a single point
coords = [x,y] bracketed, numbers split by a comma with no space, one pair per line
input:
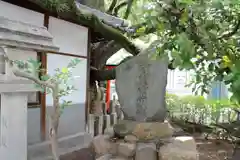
[42,151]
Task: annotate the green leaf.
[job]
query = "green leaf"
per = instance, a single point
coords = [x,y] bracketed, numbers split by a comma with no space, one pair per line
[64,70]
[45,77]
[36,64]
[186,1]
[73,63]
[141,30]
[184,17]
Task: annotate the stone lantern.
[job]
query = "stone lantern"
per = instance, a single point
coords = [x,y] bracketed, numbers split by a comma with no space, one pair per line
[18,41]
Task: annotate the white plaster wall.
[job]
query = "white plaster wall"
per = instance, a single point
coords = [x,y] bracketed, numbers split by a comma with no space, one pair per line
[80,77]
[17,13]
[71,38]
[177,81]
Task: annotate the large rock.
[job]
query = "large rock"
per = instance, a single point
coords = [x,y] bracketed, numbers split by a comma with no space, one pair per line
[130,139]
[120,158]
[179,148]
[102,145]
[126,149]
[146,151]
[109,131]
[105,157]
[144,131]
[141,87]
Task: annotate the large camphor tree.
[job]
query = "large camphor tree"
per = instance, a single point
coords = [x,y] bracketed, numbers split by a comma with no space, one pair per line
[196,35]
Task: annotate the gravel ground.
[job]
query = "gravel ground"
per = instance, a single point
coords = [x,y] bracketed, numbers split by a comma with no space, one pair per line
[83,154]
[213,149]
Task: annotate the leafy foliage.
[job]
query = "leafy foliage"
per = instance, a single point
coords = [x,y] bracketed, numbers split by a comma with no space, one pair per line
[62,77]
[196,35]
[199,110]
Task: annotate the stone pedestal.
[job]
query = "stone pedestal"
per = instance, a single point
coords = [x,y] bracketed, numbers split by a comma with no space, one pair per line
[13,126]
[18,41]
[184,148]
[144,131]
[13,113]
[178,148]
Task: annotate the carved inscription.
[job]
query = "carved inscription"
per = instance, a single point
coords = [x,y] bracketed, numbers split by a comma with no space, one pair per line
[142,87]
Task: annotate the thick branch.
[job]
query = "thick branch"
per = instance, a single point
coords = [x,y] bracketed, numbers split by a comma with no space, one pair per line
[82,18]
[106,52]
[95,51]
[103,75]
[23,74]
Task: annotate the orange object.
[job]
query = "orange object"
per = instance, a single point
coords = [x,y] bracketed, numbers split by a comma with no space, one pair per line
[108,89]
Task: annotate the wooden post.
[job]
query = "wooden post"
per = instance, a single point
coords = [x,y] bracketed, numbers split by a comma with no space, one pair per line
[43,59]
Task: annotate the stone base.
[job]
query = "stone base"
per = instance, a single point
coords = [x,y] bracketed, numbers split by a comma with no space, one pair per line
[178,148]
[144,131]
[182,148]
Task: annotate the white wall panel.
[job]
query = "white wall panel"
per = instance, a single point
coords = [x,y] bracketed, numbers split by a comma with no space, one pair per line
[71,38]
[17,13]
[80,77]
[176,82]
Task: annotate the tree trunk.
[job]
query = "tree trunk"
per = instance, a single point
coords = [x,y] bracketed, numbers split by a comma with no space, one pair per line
[53,139]
[54,123]
[103,75]
[105,53]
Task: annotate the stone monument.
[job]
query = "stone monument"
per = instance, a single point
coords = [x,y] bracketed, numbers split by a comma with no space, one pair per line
[141,87]
[144,132]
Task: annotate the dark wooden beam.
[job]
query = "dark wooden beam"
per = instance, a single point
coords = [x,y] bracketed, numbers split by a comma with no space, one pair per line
[88,78]
[43,101]
[43,60]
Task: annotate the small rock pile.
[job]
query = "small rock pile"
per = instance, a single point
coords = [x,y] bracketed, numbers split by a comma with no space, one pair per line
[106,147]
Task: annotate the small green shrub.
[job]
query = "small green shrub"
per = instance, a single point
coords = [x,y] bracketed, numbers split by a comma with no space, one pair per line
[200,110]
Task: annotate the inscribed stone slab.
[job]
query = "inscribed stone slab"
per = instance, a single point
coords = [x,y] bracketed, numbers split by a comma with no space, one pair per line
[141,87]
